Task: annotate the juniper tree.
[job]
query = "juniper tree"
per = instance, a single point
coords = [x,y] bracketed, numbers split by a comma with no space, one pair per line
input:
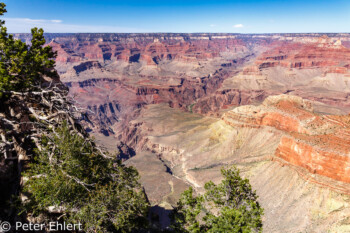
[68,177]
[230,206]
[22,66]
[71,177]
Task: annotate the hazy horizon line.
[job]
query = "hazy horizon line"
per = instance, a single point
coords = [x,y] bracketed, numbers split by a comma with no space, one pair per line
[232,33]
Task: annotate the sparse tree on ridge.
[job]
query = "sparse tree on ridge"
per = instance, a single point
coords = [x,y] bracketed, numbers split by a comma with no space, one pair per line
[66,176]
[22,66]
[230,206]
[70,177]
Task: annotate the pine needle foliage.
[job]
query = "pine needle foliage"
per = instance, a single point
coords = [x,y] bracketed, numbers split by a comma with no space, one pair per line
[23,66]
[230,206]
[71,177]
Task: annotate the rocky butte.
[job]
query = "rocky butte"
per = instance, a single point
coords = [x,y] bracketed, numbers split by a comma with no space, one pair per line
[181,106]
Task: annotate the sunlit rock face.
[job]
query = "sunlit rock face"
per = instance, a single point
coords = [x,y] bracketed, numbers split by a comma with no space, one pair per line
[325,52]
[318,143]
[275,144]
[203,73]
[185,105]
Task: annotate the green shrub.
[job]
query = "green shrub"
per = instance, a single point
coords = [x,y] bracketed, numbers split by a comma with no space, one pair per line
[230,206]
[70,175]
[23,66]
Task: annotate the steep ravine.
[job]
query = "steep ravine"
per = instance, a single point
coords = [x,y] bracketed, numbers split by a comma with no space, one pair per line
[173,100]
[313,202]
[109,101]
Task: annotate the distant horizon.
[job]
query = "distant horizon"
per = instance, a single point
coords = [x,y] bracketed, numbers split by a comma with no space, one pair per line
[180,16]
[218,33]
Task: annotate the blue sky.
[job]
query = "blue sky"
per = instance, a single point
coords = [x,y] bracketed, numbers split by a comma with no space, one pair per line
[249,16]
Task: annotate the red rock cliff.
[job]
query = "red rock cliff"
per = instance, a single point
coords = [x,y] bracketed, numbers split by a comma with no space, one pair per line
[318,143]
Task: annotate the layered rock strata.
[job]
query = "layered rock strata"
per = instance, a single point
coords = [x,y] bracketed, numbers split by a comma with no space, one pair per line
[318,143]
[194,148]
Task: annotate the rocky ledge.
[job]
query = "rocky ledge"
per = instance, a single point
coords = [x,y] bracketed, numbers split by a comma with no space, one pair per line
[318,143]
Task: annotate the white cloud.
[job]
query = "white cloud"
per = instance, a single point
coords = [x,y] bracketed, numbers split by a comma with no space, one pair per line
[212,25]
[30,21]
[21,25]
[56,21]
[238,26]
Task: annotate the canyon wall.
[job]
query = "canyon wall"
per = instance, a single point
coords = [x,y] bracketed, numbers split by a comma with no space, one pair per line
[318,143]
[183,105]
[253,138]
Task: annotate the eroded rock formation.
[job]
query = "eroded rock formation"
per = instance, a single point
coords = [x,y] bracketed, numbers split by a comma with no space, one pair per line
[274,144]
[319,143]
[188,104]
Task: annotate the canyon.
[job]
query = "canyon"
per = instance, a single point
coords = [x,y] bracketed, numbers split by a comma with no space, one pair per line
[181,106]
